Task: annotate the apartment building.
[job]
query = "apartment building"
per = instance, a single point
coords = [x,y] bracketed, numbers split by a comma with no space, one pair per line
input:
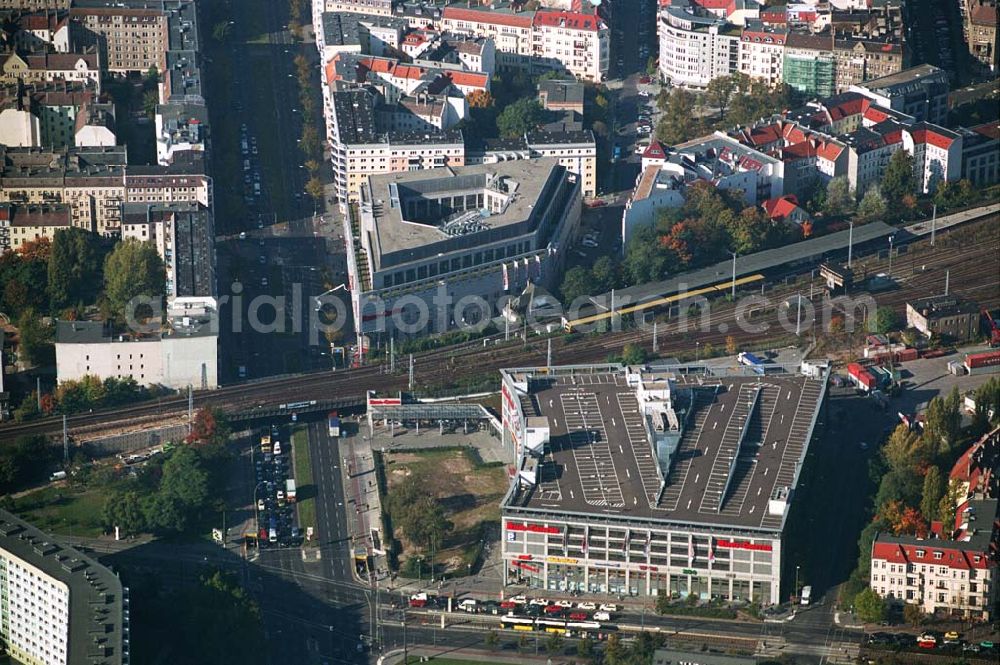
[42,114]
[180,128]
[762,52]
[954,570]
[358,33]
[808,66]
[130,39]
[184,237]
[980,28]
[981,153]
[937,154]
[91,181]
[512,33]
[368,7]
[35,5]
[82,67]
[57,605]
[43,31]
[859,59]
[20,224]
[183,181]
[920,92]
[696,47]
[571,41]
[361,149]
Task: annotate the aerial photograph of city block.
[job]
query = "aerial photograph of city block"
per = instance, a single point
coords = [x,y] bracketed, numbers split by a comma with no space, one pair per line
[499,332]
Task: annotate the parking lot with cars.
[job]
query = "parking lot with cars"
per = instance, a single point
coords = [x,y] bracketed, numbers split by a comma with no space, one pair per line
[932,641]
[274,491]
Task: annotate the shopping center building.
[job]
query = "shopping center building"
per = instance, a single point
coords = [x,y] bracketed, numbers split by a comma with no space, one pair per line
[639,481]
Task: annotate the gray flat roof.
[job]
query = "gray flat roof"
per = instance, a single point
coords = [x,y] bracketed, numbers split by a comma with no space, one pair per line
[754,263]
[600,461]
[95,593]
[395,234]
[901,77]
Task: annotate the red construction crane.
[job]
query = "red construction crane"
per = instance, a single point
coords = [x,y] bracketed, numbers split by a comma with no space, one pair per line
[994,329]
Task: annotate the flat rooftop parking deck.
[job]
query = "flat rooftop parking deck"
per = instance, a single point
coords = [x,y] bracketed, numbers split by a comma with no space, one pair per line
[600,461]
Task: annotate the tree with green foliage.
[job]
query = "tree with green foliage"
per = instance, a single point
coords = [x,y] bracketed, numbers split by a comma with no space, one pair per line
[221,31]
[899,180]
[679,122]
[133,269]
[869,606]
[943,423]
[719,93]
[585,647]
[210,426]
[124,510]
[520,117]
[948,507]
[314,188]
[576,282]
[934,488]
[23,282]
[164,514]
[553,644]
[643,260]
[492,640]
[652,66]
[873,205]
[604,274]
[74,268]
[185,479]
[36,347]
[883,320]
[987,398]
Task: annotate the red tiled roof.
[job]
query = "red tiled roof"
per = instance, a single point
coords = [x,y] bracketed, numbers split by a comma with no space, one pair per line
[793,133]
[654,151]
[848,108]
[875,114]
[571,20]
[486,16]
[950,556]
[925,135]
[713,4]
[761,37]
[781,207]
[764,135]
[983,14]
[799,150]
[829,151]
[468,79]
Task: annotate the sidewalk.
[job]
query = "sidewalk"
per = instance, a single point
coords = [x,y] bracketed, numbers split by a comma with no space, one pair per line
[473,655]
[364,509]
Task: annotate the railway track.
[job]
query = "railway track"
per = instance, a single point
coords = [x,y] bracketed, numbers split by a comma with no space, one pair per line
[969,254]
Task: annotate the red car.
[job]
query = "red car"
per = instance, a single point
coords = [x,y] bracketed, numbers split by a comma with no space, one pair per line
[508,605]
[597,203]
[645,79]
[553,609]
[418,602]
[578,616]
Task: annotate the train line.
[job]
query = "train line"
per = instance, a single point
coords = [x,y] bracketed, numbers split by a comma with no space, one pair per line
[972,268]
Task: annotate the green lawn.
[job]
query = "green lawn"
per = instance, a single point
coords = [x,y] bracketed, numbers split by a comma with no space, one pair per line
[63,510]
[444,661]
[305,489]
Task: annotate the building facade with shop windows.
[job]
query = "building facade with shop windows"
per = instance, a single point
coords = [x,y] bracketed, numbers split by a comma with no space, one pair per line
[638,482]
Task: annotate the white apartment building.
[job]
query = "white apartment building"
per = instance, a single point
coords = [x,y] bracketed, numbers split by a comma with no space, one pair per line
[762,52]
[359,150]
[694,49]
[572,41]
[937,154]
[57,606]
[954,576]
[512,34]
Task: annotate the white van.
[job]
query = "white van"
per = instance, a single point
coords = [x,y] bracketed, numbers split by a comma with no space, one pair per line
[806,595]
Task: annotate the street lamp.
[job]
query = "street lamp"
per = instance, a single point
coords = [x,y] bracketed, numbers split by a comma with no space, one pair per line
[850,242]
[795,591]
[890,256]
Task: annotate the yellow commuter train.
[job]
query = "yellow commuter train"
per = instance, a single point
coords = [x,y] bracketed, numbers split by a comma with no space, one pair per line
[724,287]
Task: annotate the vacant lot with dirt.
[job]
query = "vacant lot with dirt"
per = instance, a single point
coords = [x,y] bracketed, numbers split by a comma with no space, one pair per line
[468,493]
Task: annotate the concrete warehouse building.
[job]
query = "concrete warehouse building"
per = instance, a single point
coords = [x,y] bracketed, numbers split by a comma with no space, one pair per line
[58,606]
[475,231]
[645,481]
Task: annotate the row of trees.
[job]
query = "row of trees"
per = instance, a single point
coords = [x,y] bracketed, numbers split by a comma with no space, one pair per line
[914,489]
[311,143]
[90,392]
[736,100]
[74,270]
[702,231]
